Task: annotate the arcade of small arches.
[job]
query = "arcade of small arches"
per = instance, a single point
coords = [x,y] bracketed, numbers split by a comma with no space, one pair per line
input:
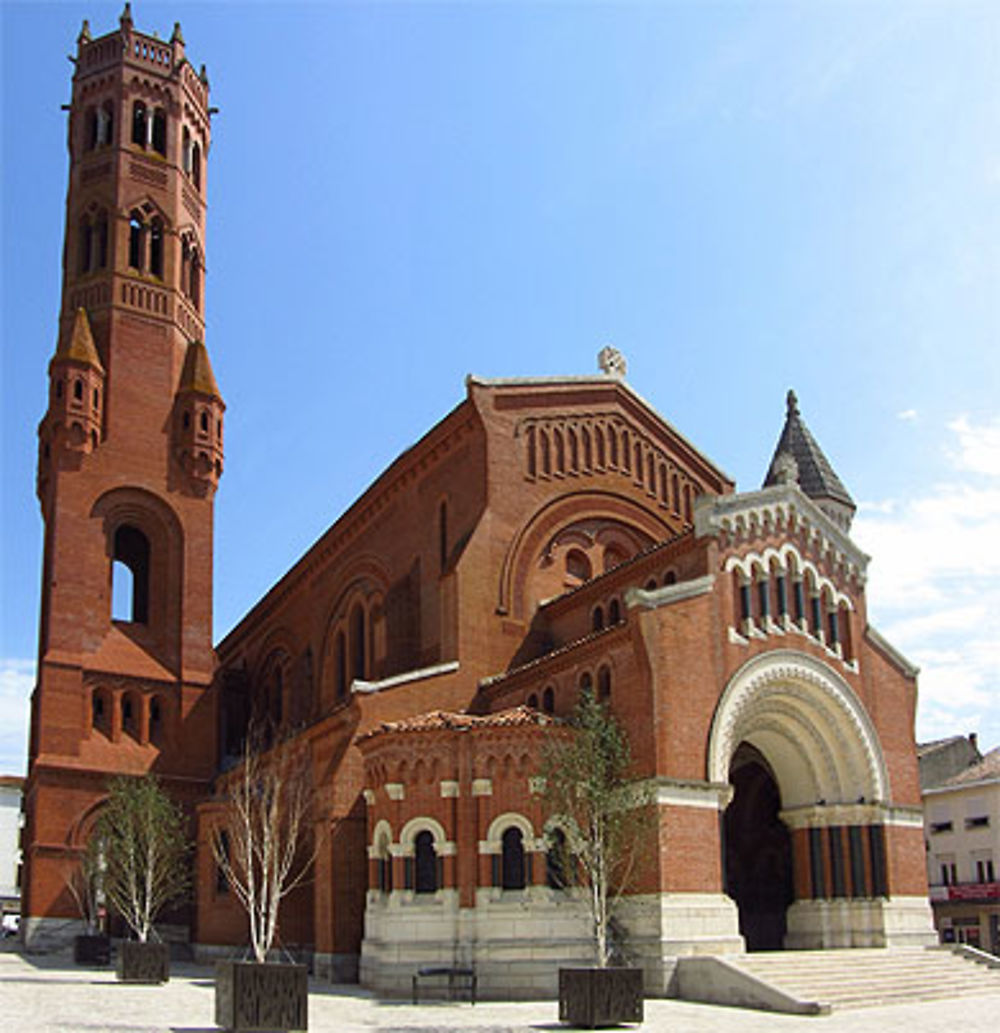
[777,591]
[117,713]
[148,131]
[510,858]
[586,446]
[355,643]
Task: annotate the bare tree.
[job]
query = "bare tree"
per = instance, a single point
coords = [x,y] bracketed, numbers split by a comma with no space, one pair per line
[84,881]
[145,852]
[262,842]
[590,793]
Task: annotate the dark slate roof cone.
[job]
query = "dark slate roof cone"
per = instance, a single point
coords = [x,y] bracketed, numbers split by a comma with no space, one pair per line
[798,459]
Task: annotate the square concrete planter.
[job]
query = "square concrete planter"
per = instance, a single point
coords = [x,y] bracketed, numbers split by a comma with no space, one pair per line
[593,997]
[256,997]
[92,949]
[143,962]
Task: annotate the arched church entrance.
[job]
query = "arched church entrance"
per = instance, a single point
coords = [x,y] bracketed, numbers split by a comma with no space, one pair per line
[803,840]
[758,851]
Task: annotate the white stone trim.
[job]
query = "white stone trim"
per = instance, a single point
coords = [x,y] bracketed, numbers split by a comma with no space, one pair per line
[369,796]
[382,828]
[498,826]
[651,599]
[395,790]
[746,563]
[409,831]
[675,792]
[782,505]
[482,787]
[804,714]
[363,687]
[449,789]
[904,817]
[827,816]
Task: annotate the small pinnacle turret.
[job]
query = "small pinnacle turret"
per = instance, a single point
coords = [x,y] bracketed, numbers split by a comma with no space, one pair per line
[72,425]
[799,459]
[198,409]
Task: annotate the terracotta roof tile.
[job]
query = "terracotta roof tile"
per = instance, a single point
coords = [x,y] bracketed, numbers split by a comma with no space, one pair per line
[567,647]
[443,720]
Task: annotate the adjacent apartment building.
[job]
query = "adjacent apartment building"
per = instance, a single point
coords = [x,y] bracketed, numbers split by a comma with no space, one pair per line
[962,817]
[10,852]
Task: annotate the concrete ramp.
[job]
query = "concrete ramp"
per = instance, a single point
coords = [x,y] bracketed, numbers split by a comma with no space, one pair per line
[814,982]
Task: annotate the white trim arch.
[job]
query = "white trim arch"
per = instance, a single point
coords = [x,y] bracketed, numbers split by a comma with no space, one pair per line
[404,848]
[381,836]
[791,562]
[809,724]
[493,843]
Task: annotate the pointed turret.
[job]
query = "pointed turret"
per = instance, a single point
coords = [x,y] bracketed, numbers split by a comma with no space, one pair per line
[72,423]
[78,346]
[799,459]
[198,409]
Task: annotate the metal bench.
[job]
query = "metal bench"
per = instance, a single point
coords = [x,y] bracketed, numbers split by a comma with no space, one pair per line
[453,975]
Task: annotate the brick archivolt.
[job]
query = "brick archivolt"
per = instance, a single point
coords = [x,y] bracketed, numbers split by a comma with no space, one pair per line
[536,536]
[809,724]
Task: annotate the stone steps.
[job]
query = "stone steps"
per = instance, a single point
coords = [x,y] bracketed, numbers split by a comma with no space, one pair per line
[871,976]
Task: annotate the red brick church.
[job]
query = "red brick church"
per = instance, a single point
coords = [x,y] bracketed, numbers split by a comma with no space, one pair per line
[547,535]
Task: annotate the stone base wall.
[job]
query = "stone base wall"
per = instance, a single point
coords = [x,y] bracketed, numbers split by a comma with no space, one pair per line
[665,926]
[896,922]
[517,941]
[49,935]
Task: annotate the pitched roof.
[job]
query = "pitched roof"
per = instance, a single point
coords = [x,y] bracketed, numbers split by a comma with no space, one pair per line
[197,375]
[925,748]
[79,345]
[442,720]
[988,768]
[814,473]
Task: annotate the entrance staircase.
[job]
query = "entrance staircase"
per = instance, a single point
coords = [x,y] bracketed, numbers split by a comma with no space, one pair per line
[865,977]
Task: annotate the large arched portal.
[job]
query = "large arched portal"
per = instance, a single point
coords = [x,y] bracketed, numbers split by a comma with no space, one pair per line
[803,844]
[758,851]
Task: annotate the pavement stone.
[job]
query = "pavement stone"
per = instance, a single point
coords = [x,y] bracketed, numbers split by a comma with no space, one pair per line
[49,994]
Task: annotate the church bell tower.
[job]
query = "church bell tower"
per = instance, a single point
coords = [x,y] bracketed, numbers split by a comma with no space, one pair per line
[130,453]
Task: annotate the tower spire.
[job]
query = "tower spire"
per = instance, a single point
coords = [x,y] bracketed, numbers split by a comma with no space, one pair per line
[798,458]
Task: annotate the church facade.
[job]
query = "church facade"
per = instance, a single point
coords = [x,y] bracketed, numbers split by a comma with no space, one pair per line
[549,536]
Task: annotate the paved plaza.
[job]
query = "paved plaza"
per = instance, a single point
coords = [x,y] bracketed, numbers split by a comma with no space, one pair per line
[49,994]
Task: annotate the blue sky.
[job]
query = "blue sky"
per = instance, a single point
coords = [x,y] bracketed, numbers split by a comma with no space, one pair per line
[740,197]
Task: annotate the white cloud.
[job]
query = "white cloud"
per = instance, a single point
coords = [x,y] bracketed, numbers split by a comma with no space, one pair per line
[934,583]
[907,414]
[979,447]
[17,679]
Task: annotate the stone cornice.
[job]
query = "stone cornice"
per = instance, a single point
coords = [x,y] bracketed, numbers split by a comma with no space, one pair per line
[781,507]
[883,646]
[652,599]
